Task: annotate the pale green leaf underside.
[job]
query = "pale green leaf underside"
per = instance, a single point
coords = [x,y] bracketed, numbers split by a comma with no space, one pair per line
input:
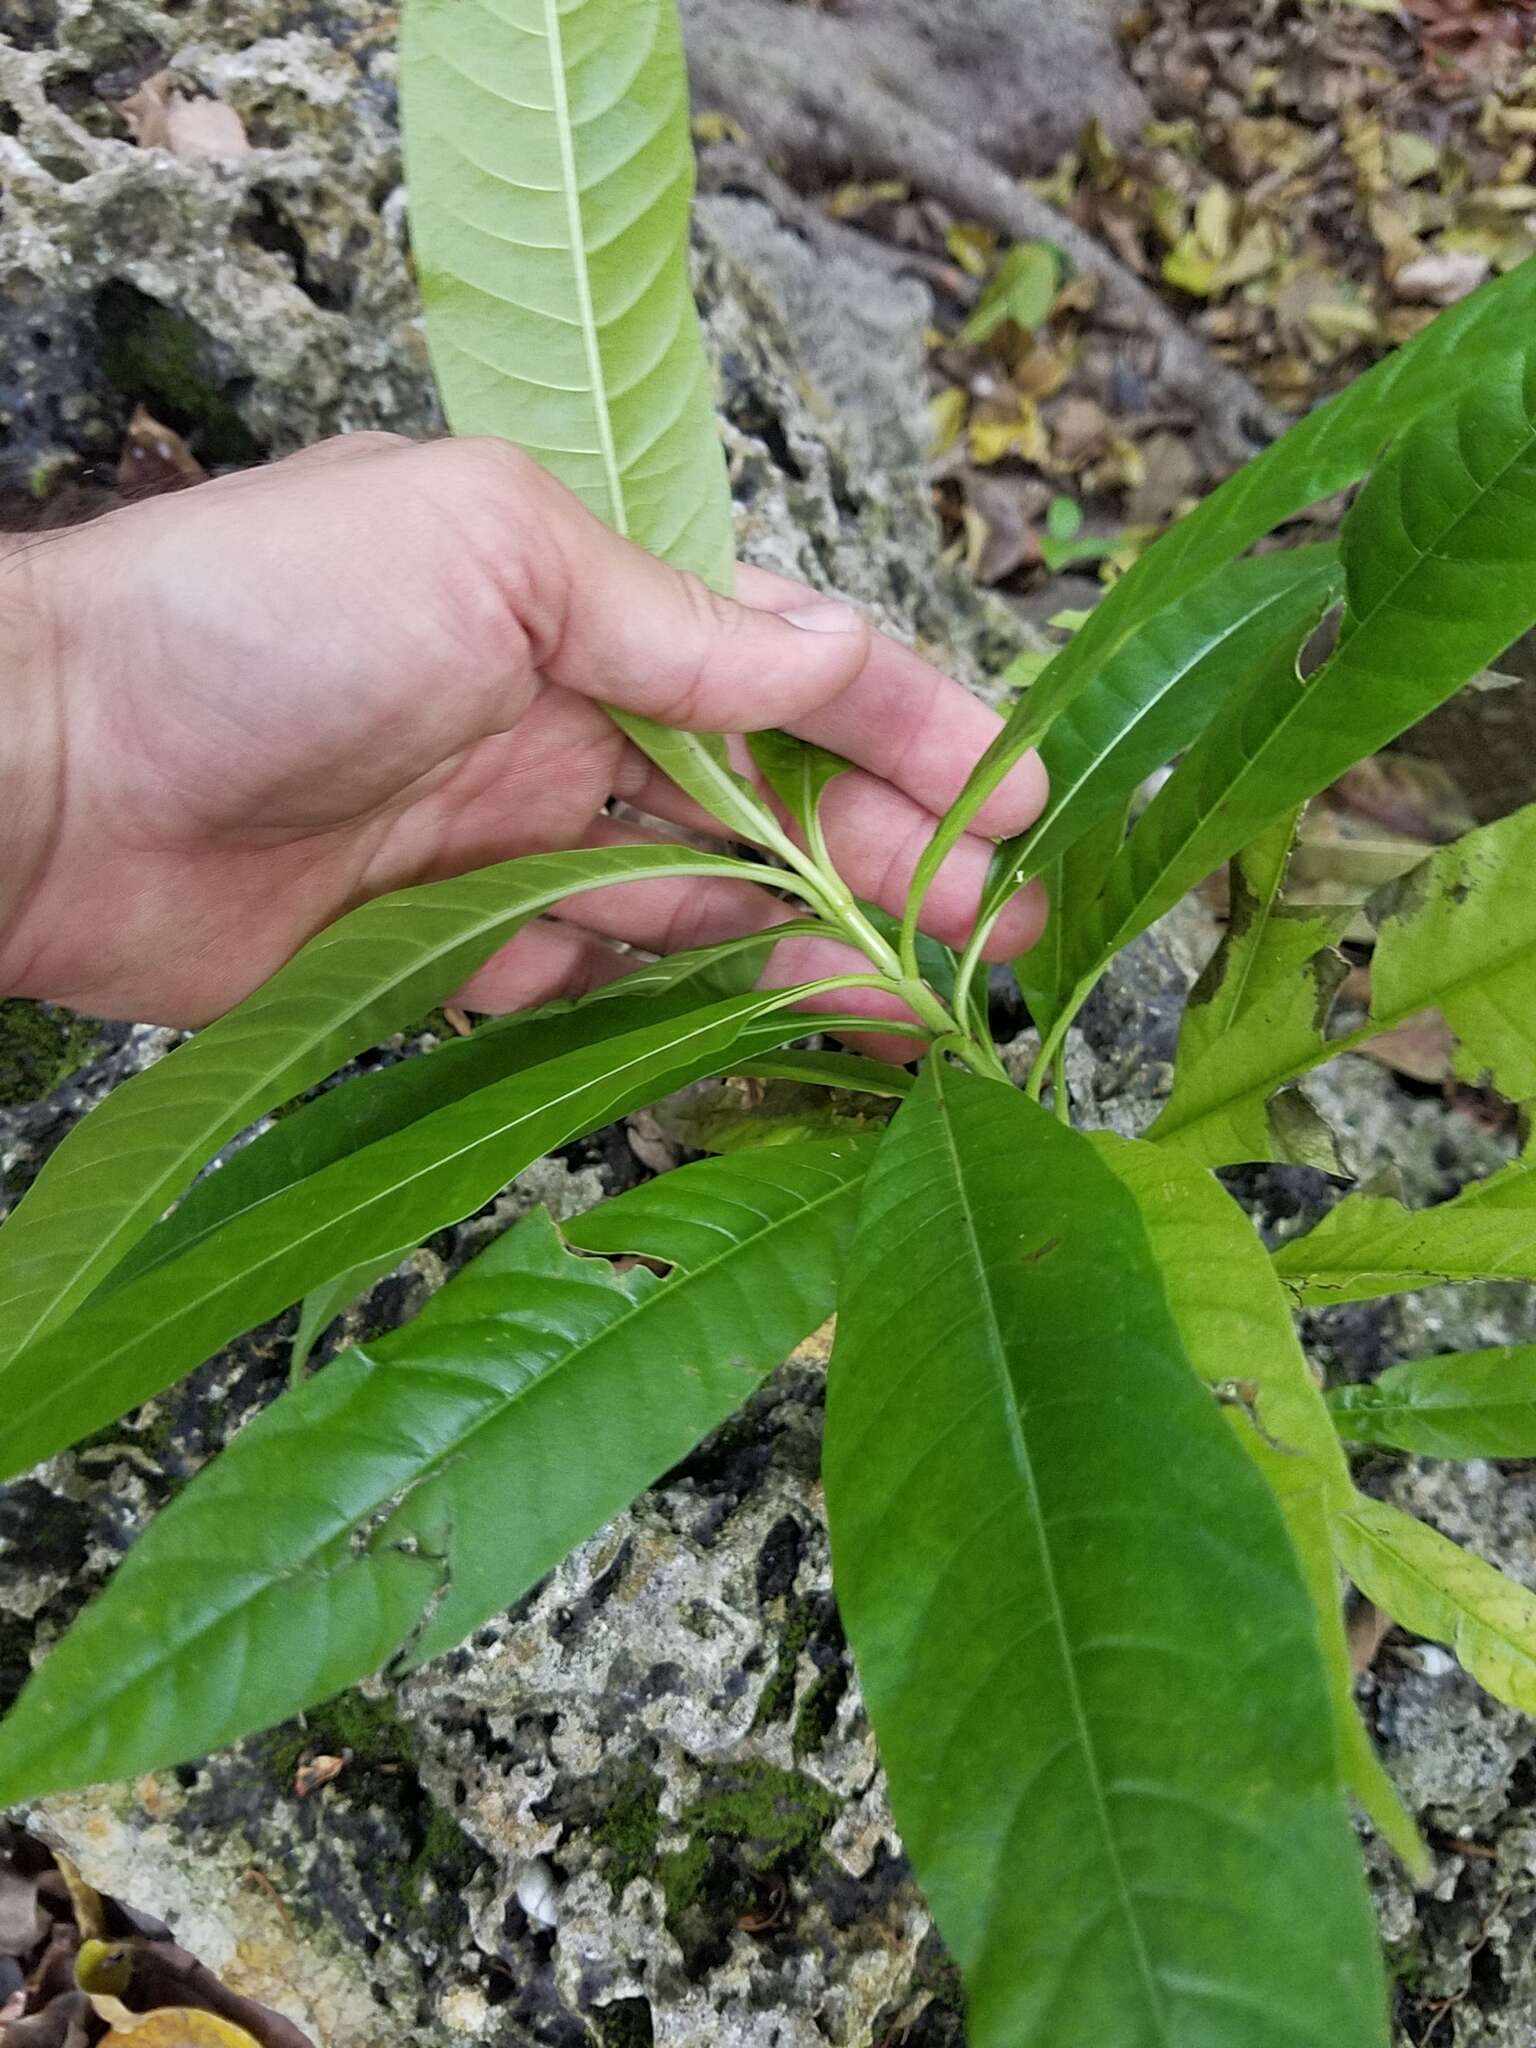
[551,174]
[416,1486]
[1470,1404]
[1090,1660]
[1235,1320]
[1439,1590]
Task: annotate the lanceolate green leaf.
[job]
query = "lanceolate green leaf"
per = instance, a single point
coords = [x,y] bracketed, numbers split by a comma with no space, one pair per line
[1258,1010]
[551,174]
[1159,692]
[831,1070]
[1235,1320]
[135,1341]
[1437,552]
[376,1105]
[1371,1245]
[1472,1404]
[1482,340]
[377,970]
[1439,1590]
[418,1485]
[1091,1662]
[551,170]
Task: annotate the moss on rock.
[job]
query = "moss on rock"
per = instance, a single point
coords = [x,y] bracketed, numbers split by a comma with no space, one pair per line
[39,1048]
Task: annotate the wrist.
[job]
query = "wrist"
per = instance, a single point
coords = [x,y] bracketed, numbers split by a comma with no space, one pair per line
[31,753]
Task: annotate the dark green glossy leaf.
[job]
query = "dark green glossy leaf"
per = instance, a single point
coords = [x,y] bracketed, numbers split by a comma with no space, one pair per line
[1047,975]
[1472,1404]
[414,1487]
[373,1203]
[1483,340]
[378,970]
[377,1105]
[1437,552]
[1090,1658]
[1161,690]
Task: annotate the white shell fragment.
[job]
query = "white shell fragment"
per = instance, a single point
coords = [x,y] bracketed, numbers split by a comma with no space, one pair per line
[538,1895]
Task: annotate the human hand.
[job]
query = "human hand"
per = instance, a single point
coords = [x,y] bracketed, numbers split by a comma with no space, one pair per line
[248,708]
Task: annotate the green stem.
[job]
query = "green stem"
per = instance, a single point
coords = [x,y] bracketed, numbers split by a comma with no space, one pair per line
[1056,1038]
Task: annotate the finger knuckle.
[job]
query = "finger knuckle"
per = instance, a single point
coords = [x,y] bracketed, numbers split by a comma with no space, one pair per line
[707,626]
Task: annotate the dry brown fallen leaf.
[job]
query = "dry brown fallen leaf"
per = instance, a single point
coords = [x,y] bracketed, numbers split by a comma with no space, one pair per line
[155,458]
[179,2027]
[318,1771]
[162,118]
[1421,1049]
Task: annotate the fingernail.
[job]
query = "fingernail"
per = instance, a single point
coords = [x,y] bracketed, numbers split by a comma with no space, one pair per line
[827,617]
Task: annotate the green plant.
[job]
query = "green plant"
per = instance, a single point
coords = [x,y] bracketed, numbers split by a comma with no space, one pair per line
[1087,1502]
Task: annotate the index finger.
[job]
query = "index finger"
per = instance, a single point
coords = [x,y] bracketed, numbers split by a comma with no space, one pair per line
[908,723]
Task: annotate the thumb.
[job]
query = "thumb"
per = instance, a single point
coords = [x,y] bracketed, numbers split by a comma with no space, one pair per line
[614,623]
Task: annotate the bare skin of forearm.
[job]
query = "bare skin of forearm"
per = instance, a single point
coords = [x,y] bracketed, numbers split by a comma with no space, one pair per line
[31,751]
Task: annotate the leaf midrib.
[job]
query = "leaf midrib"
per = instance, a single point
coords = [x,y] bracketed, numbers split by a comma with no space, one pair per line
[554,39]
[1124,1895]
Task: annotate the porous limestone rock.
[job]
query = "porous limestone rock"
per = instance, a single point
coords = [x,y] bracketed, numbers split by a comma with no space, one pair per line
[643,1806]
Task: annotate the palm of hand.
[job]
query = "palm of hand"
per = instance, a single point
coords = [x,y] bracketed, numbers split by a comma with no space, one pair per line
[292,690]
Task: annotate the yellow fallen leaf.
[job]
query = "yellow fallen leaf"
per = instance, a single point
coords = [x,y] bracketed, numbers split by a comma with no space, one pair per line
[1409,156]
[1022,435]
[1505,198]
[850,200]
[1336,321]
[946,416]
[1215,218]
[179,2027]
[709,126]
[1259,249]
[1190,267]
[1100,154]
[972,247]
